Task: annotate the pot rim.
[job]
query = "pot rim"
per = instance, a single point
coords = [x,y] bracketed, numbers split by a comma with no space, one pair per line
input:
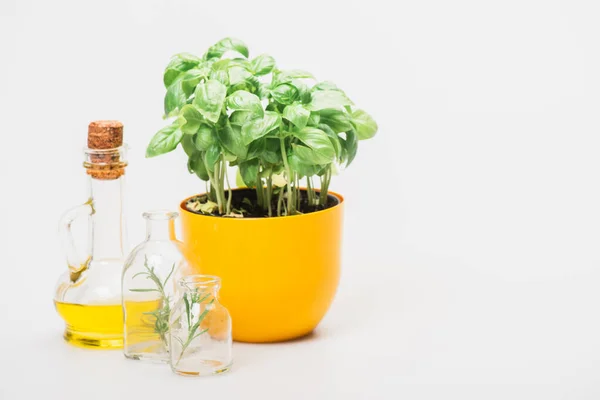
[338,196]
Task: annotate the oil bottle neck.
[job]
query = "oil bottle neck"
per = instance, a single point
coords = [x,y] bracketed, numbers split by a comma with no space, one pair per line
[108,231]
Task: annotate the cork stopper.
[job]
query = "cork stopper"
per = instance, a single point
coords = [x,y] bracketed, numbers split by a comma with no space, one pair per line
[106,137]
[105,134]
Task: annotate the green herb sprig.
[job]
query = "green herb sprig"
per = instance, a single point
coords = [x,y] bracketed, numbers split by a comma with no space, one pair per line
[161,315]
[190,299]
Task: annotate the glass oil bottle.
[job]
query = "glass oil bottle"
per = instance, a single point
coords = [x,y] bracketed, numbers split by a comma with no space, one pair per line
[88,294]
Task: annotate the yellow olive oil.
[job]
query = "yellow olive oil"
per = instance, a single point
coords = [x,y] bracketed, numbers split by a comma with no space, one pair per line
[101,326]
[92,325]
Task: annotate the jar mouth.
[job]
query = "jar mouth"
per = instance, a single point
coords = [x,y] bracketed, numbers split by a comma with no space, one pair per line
[200,281]
[160,215]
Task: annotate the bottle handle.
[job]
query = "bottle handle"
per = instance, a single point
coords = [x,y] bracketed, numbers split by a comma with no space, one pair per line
[76,262]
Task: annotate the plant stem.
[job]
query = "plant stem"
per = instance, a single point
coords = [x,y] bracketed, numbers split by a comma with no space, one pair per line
[214,192]
[230,194]
[289,176]
[269,194]
[218,188]
[325,187]
[279,201]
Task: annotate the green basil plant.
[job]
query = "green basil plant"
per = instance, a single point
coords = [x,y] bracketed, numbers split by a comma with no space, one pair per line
[279,127]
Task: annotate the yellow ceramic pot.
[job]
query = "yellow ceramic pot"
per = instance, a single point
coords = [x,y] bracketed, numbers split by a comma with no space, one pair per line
[279,274]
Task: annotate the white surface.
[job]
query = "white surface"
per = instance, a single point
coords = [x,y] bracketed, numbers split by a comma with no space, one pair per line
[478,279]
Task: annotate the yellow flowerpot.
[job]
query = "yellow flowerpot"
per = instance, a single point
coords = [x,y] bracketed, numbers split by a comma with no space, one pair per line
[279,274]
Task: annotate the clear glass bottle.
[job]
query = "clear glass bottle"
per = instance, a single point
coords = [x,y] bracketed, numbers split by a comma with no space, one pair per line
[200,329]
[148,286]
[88,295]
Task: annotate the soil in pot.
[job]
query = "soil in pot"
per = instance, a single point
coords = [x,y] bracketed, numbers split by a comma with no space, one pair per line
[244,204]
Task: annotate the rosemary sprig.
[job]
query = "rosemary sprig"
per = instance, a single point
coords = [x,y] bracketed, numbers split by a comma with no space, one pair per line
[190,299]
[161,315]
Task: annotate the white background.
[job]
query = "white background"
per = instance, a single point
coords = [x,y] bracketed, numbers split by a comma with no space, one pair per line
[472,221]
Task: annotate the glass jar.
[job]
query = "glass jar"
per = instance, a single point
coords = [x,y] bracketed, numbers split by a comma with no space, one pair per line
[200,329]
[88,294]
[149,281]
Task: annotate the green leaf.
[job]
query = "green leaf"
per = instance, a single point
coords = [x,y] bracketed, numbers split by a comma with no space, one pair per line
[335,139]
[239,118]
[239,73]
[196,165]
[262,64]
[304,95]
[210,96]
[337,120]
[319,148]
[297,114]
[164,141]
[350,146]
[190,119]
[365,125]
[188,144]
[224,45]
[220,71]
[322,99]
[212,156]
[326,85]
[272,152]
[190,79]
[179,63]
[245,101]
[205,137]
[143,290]
[259,127]
[289,75]
[256,148]
[232,140]
[285,93]
[249,172]
[314,119]
[303,169]
[175,98]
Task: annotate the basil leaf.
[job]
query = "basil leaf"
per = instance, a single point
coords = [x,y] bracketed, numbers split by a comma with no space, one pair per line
[204,138]
[231,140]
[334,138]
[238,74]
[210,96]
[249,172]
[191,118]
[212,156]
[285,93]
[288,76]
[365,125]
[262,65]
[272,152]
[220,72]
[175,98]
[256,149]
[179,63]
[319,148]
[350,146]
[164,141]
[314,119]
[326,85]
[196,165]
[188,144]
[302,168]
[322,99]
[297,114]
[337,120]
[245,101]
[239,118]
[259,127]
[190,79]
[224,45]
